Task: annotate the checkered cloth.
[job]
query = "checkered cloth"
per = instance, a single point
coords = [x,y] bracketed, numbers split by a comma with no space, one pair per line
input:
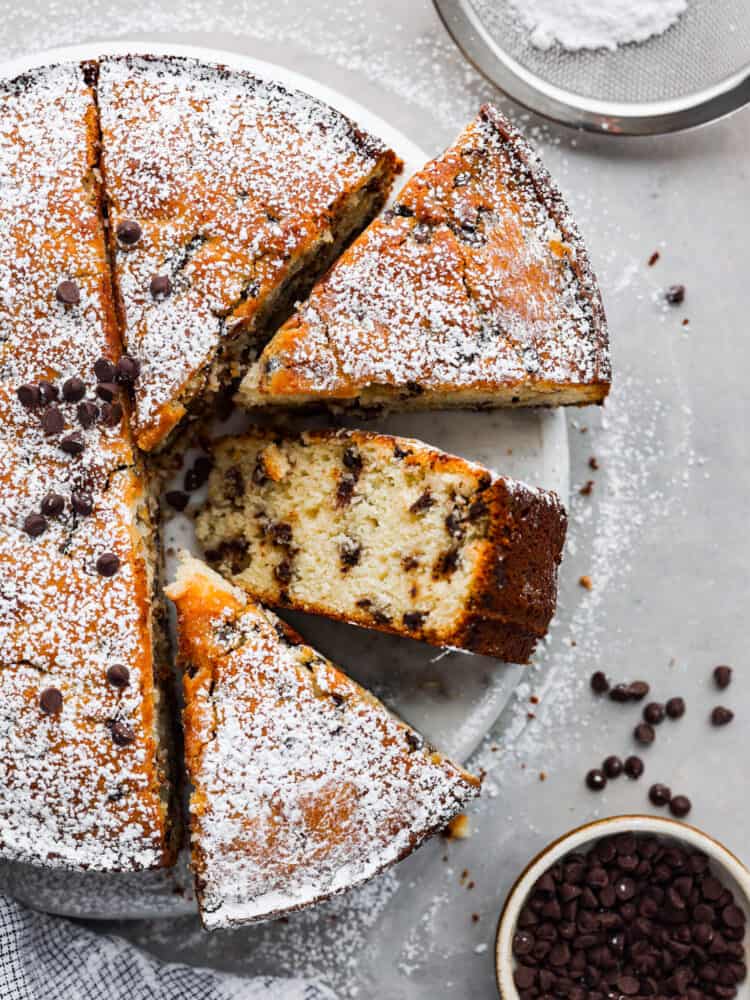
[48,958]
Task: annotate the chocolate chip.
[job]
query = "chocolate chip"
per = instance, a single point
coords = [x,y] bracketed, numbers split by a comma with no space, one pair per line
[161,286]
[73,389]
[82,503]
[721,716]
[73,444]
[107,564]
[723,676]
[111,414]
[644,733]
[177,499]
[87,413]
[349,553]
[423,502]
[68,293]
[414,741]
[29,395]
[599,682]
[51,701]
[118,675]
[659,795]
[122,734]
[34,525]
[283,571]
[680,806]
[675,708]
[52,505]
[352,459]
[634,767]
[421,232]
[53,421]
[675,295]
[619,693]
[612,767]
[107,391]
[345,489]
[596,780]
[414,619]
[197,475]
[127,370]
[49,391]
[128,232]
[638,690]
[654,713]
[104,370]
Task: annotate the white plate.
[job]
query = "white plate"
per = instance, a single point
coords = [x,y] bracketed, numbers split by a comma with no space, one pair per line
[452,697]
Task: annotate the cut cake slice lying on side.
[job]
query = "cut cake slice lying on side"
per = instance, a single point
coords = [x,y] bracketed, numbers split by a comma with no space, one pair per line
[475,290]
[228,196]
[388,533]
[304,785]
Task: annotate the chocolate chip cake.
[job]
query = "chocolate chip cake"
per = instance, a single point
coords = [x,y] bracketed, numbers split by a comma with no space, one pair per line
[474,290]
[304,785]
[228,196]
[387,533]
[83,769]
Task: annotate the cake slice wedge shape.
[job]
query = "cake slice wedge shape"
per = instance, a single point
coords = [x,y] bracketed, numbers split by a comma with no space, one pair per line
[304,785]
[475,290]
[387,533]
[228,196]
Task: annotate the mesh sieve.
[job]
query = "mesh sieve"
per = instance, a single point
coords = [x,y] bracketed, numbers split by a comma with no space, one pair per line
[698,70]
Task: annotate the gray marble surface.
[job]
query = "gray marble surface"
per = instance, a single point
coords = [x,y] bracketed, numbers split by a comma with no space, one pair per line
[663,535]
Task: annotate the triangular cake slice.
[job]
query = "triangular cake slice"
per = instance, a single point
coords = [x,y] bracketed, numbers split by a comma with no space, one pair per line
[304,785]
[388,533]
[84,734]
[228,196]
[474,290]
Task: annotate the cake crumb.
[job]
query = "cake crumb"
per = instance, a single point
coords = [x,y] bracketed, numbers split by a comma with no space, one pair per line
[459,828]
[586,583]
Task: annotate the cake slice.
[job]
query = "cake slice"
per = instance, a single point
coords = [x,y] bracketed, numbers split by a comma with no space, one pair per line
[84,732]
[228,196]
[304,785]
[474,290]
[387,533]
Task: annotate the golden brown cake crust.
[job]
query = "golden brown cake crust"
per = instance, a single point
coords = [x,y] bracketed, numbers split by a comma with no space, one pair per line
[304,784]
[80,779]
[474,290]
[242,191]
[514,533]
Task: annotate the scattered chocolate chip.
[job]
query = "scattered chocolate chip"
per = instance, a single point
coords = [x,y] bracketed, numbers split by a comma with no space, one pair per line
[634,767]
[128,232]
[122,734]
[659,795]
[612,767]
[414,619]
[87,413]
[82,503]
[73,390]
[423,502]
[49,391]
[111,414]
[29,395]
[177,499]
[68,293]
[721,716]
[722,677]
[675,708]
[638,690]
[653,258]
[107,564]
[161,286]
[52,505]
[53,421]
[675,295]
[51,701]
[352,459]
[587,488]
[596,780]
[619,693]
[644,733]
[34,525]
[283,571]
[127,370]
[654,713]
[414,740]
[599,682]
[104,370]
[107,391]
[118,675]
[72,444]
[680,806]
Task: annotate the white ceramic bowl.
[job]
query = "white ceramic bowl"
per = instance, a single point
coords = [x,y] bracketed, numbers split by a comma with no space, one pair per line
[729,869]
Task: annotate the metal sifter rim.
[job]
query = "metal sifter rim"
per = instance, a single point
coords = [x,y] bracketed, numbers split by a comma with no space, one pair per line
[568,108]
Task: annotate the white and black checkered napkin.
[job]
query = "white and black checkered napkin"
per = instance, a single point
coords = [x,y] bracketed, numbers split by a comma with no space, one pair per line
[49,958]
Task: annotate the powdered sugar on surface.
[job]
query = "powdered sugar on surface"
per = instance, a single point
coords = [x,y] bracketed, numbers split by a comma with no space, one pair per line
[596,24]
[69,796]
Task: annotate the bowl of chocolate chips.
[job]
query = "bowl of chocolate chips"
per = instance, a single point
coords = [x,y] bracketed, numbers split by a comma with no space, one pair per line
[626,908]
